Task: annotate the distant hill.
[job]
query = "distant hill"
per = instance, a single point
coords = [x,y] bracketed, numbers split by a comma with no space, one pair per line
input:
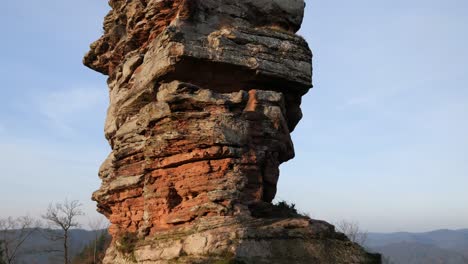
[440,246]
[39,250]
[436,247]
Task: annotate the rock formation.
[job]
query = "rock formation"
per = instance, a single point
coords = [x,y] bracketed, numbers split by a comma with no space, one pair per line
[203,97]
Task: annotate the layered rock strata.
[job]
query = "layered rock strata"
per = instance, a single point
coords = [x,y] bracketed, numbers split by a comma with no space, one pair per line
[203,97]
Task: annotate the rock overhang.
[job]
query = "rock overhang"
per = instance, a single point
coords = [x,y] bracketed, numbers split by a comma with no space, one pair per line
[256,36]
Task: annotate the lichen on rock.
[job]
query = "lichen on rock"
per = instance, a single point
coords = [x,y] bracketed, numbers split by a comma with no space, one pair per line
[203,97]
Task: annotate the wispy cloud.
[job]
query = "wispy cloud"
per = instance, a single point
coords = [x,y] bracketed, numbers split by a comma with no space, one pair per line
[63,108]
[372,98]
[365,99]
[39,173]
[361,100]
[59,147]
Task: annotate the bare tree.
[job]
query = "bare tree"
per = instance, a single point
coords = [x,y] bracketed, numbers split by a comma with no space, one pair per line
[2,255]
[352,231]
[387,260]
[97,225]
[63,216]
[14,232]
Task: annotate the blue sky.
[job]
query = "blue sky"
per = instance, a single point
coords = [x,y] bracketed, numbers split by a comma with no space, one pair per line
[383,141]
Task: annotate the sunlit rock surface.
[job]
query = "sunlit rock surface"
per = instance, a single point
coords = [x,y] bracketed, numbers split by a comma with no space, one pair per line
[203,97]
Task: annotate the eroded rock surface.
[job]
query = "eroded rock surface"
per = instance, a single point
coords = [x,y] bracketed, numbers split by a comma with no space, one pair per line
[203,97]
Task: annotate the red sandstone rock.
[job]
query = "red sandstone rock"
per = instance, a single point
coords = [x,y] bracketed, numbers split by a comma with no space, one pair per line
[203,97]
[203,155]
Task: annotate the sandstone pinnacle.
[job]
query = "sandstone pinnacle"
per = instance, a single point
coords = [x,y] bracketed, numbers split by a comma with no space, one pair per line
[203,97]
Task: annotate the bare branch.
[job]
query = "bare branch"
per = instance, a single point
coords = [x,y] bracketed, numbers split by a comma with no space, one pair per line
[63,216]
[97,225]
[14,232]
[352,231]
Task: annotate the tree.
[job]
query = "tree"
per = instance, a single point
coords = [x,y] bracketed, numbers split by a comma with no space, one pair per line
[2,255]
[63,216]
[352,231]
[14,232]
[97,225]
[387,260]
[99,247]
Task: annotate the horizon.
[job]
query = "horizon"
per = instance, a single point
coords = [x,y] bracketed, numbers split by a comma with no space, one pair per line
[86,228]
[382,141]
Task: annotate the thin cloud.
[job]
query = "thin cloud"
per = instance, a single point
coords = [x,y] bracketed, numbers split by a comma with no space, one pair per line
[53,172]
[362,100]
[63,108]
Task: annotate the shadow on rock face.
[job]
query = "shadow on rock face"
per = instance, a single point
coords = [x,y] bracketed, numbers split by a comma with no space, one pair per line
[203,97]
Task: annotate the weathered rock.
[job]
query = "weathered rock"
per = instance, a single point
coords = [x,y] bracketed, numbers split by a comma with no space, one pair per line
[203,97]
[247,240]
